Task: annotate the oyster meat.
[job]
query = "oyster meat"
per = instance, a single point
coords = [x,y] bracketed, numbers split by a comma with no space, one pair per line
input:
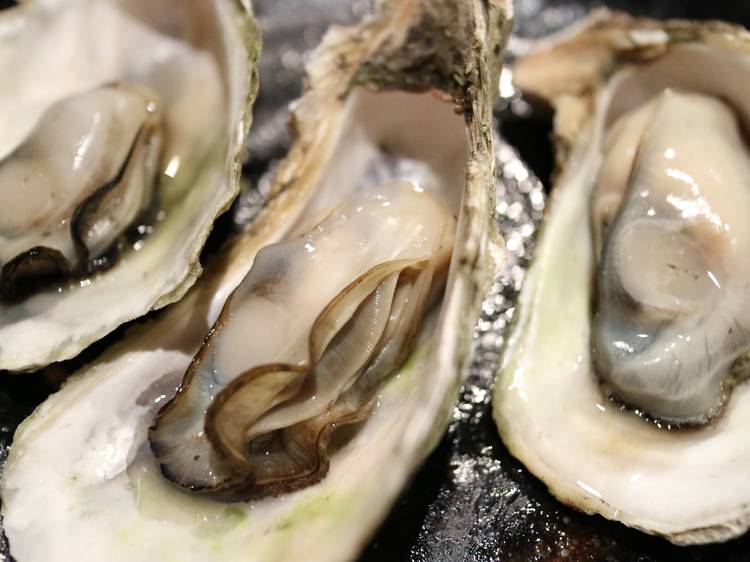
[304,343]
[672,283]
[111,175]
[622,384]
[383,210]
[57,218]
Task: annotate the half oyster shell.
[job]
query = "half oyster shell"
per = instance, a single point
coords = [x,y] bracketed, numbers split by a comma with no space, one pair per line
[123,130]
[622,383]
[370,116]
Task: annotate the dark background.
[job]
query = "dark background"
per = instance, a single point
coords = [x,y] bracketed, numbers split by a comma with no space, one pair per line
[471,501]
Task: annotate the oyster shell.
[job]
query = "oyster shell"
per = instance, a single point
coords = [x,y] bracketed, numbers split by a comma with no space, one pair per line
[370,116]
[621,384]
[80,139]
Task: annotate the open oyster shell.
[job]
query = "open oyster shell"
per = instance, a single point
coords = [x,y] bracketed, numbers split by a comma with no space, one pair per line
[621,386]
[370,115]
[194,63]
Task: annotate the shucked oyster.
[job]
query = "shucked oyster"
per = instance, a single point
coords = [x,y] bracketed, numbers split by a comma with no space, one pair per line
[382,175]
[82,177]
[622,386]
[123,127]
[672,279]
[304,343]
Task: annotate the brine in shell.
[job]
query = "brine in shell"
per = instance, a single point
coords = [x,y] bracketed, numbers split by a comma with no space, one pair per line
[123,136]
[391,157]
[623,384]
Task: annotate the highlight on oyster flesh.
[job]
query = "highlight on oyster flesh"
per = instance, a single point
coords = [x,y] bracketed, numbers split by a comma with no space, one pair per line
[672,279]
[623,382]
[304,343]
[84,174]
[117,153]
[369,260]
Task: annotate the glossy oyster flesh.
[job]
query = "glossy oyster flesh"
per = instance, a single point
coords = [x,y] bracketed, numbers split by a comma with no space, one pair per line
[622,382]
[672,278]
[111,176]
[84,174]
[371,129]
[304,343]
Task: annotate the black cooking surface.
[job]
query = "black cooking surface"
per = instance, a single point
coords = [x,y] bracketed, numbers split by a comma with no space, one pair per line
[471,501]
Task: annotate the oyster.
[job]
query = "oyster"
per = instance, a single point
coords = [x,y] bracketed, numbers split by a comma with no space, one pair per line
[621,386]
[372,128]
[304,343]
[57,219]
[111,175]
